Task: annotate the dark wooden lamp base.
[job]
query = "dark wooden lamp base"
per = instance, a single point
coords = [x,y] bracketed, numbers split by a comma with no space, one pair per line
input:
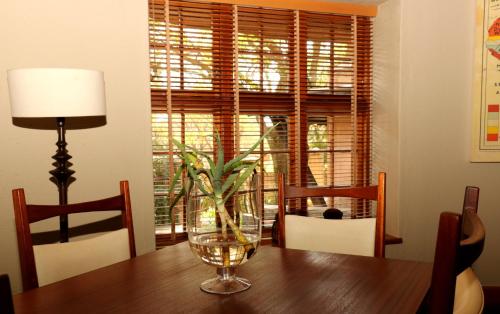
[62,175]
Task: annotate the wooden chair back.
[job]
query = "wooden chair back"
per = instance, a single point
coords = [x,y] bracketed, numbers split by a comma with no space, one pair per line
[453,256]
[372,193]
[6,304]
[94,250]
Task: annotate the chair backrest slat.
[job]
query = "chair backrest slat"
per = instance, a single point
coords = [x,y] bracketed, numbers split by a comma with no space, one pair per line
[42,212]
[472,246]
[369,193]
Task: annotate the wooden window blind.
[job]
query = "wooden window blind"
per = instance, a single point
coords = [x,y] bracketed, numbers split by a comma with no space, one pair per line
[238,70]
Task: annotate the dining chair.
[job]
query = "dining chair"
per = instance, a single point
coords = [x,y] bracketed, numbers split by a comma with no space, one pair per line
[42,264]
[359,236]
[6,305]
[452,260]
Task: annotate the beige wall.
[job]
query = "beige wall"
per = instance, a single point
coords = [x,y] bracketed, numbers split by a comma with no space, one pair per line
[435,88]
[386,86]
[108,35]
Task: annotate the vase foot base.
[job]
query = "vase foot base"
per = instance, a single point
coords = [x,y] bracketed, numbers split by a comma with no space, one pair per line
[225,286]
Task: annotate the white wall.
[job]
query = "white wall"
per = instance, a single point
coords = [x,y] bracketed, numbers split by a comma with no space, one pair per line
[435,88]
[109,35]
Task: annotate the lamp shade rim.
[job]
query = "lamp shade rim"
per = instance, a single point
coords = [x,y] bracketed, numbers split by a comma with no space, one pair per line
[52,68]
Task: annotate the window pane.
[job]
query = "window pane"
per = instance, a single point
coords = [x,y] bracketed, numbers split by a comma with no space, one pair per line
[330,55]
[264,58]
[329,142]
[197,133]
[191,46]
[273,154]
[318,66]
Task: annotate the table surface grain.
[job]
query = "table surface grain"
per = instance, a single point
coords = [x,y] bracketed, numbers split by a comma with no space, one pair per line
[283,281]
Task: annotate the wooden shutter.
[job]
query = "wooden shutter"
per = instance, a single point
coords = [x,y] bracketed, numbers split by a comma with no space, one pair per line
[192,91]
[266,60]
[238,70]
[335,106]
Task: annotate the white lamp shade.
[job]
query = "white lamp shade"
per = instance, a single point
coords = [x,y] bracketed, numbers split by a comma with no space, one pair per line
[56,92]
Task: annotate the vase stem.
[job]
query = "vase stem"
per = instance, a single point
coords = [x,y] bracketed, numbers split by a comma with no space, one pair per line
[226,273]
[226,282]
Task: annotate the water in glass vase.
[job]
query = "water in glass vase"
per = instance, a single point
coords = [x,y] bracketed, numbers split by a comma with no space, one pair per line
[215,251]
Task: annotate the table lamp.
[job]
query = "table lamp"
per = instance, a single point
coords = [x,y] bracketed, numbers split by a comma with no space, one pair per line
[58,93]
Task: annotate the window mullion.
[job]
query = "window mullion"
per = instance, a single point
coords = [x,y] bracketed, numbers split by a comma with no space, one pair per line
[300,89]
[181,50]
[354,106]
[261,57]
[236,85]
[332,61]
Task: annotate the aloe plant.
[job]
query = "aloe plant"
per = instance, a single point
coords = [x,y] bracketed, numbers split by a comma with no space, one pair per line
[220,181]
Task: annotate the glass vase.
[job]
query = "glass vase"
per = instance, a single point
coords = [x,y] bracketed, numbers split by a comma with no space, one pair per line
[225,236]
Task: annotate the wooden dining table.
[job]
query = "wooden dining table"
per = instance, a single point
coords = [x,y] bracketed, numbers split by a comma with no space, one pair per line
[283,281]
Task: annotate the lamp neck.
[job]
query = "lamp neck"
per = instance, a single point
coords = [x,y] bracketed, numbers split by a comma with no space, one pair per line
[62,175]
[61,132]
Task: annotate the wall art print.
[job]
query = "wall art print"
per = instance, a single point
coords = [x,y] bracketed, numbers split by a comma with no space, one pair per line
[486,106]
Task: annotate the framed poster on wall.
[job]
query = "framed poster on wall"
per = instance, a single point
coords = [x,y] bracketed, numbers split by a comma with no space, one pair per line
[486,101]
